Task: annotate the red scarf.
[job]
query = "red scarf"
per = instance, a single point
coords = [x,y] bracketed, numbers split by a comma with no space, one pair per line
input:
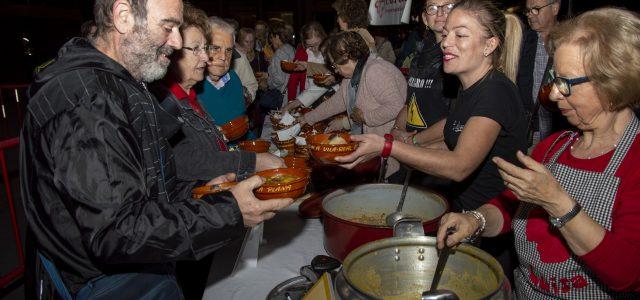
[180,94]
[297,79]
[177,91]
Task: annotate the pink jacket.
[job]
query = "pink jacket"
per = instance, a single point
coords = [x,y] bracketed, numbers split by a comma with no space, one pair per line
[381,95]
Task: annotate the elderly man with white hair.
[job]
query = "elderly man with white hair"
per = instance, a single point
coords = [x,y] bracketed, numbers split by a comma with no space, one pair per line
[221,92]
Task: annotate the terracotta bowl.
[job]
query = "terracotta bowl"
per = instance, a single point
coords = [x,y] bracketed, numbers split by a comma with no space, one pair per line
[257,146]
[318,78]
[278,143]
[275,119]
[290,189]
[260,75]
[316,128]
[303,110]
[236,128]
[278,126]
[289,145]
[301,151]
[200,191]
[326,153]
[297,162]
[287,66]
[545,101]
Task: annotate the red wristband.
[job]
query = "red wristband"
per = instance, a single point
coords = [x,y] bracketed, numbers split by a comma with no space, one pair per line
[388,143]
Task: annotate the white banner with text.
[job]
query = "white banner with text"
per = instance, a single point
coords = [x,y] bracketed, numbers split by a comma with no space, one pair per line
[390,12]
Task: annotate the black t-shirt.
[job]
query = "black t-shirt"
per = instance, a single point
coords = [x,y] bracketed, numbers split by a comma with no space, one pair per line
[497,98]
[426,87]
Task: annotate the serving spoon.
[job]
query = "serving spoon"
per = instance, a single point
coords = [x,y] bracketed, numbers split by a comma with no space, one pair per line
[433,292]
[392,218]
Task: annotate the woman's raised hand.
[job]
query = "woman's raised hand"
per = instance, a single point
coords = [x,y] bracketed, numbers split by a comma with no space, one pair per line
[534,184]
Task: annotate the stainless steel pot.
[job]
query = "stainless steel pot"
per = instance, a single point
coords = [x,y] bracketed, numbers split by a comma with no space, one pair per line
[403,267]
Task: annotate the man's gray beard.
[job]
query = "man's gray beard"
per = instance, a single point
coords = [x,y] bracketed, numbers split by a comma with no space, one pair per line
[140,55]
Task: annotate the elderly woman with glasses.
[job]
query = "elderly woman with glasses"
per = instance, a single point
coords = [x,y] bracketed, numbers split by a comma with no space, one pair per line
[577,221]
[372,91]
[199,147]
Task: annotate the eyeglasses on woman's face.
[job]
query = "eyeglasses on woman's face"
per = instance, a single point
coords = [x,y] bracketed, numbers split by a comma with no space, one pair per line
[536,9]
[433,9]
[197,50]
[564,84]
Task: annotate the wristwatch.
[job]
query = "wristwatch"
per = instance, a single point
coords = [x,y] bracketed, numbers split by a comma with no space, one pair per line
[560,221]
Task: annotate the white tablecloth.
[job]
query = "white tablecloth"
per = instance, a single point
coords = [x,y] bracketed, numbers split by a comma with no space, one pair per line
[289,243]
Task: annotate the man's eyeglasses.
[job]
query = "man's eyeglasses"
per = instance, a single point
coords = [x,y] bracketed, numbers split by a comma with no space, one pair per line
[564,84]
[196,50]
[433,9]
[536,9]
[215,49]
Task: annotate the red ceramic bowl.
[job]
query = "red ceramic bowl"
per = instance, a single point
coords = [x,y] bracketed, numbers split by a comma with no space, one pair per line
[316,128]
[289,145]
[324,152]
[301,151]
[304,110]
[545,101]
[318,78]
[200,191]
[279,183]
[291,187]
[275,118]
[287,66]
[257,146]
[236,128]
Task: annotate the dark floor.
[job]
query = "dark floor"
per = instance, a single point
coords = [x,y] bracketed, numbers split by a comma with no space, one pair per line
[8,252]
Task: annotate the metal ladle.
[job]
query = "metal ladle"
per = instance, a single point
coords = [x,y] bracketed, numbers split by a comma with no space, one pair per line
[433,292]
[392,218]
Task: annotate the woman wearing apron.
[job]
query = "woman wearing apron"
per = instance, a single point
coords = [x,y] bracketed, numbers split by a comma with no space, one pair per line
[577,225]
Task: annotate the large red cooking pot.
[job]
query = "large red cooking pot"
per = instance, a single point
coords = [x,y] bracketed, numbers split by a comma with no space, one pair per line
[355,216]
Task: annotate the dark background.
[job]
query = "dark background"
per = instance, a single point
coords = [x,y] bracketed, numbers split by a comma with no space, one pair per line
[37,28]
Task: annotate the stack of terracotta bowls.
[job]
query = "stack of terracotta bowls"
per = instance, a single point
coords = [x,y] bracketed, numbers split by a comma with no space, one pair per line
[288,145]
[257,146]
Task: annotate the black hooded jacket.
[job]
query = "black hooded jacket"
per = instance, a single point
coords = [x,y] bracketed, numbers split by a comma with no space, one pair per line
[98,177]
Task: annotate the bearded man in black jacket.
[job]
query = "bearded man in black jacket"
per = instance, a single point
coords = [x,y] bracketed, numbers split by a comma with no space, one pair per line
[98,176]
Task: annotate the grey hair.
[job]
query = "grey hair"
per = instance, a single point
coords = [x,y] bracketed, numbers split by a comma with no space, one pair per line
[104,17]
[217,23]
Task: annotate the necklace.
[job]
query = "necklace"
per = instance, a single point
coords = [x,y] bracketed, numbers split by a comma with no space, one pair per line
[600,154]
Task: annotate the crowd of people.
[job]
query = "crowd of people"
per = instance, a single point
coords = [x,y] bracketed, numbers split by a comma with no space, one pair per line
[127,121]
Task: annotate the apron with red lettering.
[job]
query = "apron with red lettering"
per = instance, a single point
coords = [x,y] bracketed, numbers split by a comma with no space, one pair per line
[548,268]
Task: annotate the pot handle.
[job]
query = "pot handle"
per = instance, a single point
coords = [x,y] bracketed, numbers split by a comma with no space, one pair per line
[408,226]
[439,295]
